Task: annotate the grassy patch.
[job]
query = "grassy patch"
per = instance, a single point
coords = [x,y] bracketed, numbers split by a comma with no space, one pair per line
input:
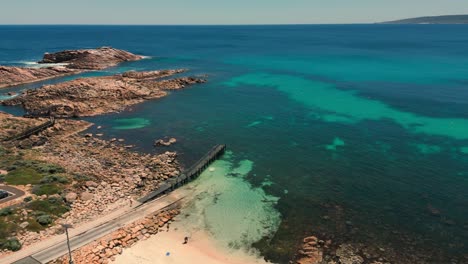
[23,176]
[34,226]
[7,227]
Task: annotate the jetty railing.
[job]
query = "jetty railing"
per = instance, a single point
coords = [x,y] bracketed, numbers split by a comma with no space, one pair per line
[189,174]
[33,130]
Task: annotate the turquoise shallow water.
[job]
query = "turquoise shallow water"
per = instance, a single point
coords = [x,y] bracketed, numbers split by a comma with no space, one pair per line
[353,133]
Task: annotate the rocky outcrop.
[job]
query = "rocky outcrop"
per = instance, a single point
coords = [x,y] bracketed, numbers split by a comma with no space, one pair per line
[99,95]
[166,143]
[10,76]
[105,249]
[71,62]
[311,252]
[90,59]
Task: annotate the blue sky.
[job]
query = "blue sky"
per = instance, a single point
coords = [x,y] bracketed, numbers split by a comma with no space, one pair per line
[220,11]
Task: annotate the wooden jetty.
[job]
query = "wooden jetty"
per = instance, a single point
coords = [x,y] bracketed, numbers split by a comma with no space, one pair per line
[189,174]
[33,130]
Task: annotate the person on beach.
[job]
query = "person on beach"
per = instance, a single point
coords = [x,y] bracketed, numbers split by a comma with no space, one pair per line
[185,240]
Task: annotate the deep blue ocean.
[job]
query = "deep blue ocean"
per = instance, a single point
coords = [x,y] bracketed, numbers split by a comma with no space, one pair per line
[359,131]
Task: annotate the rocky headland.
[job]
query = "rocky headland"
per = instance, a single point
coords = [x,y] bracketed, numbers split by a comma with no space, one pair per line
[99,95]
[68,62]
[11,76]
[86,177]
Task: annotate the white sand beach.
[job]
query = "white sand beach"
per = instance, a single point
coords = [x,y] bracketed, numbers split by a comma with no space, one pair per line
[168,248]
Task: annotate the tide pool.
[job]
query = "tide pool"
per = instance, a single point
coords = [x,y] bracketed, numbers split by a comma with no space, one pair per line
[130,123]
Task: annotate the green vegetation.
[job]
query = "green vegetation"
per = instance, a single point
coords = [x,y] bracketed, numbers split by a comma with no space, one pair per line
[54,178]
[44,213]
[52,205]
[22,171]
[8,226]
[12,244]
[46,179]
[6,211]
[47,189]
[23,176]
[44,219]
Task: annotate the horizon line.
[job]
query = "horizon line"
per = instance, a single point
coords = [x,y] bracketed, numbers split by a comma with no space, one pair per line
[253,24]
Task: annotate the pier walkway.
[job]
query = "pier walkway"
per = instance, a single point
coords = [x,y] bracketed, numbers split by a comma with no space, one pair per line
[190,174]
[33,130]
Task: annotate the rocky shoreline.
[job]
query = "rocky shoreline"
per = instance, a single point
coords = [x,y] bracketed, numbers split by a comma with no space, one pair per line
[99,95]
[68,62]
[106,175]
[11,76]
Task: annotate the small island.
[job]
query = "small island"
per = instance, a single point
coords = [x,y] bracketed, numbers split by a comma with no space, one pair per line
[66,62]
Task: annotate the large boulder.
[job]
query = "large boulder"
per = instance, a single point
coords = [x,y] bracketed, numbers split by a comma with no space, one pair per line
[86,196]
[71,197]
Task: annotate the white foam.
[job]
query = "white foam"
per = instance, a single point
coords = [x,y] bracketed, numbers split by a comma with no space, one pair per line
[35,64]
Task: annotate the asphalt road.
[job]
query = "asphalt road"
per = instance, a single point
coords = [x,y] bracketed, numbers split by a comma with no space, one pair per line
[16,193]
[56,247]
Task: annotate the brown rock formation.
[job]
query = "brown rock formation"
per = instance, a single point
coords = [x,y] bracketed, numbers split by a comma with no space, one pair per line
[10,76]
[310,253]
[76,61]
[98,95]
[90,59]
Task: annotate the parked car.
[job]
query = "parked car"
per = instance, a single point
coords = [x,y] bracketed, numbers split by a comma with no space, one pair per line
[3,194]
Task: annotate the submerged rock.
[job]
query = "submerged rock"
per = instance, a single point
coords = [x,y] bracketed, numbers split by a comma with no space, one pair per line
[310,253]
[162,142]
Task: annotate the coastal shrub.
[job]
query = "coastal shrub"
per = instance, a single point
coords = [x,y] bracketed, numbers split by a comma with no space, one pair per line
[44,219]
[27,199]
[47,189]
[11,167]
[53,206]
[54,178]
[12,244]
[50,168]
[81,177]
[55,200]
[6,211]
[25,163]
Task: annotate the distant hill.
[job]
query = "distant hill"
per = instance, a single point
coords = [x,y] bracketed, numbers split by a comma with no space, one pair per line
[453,19]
